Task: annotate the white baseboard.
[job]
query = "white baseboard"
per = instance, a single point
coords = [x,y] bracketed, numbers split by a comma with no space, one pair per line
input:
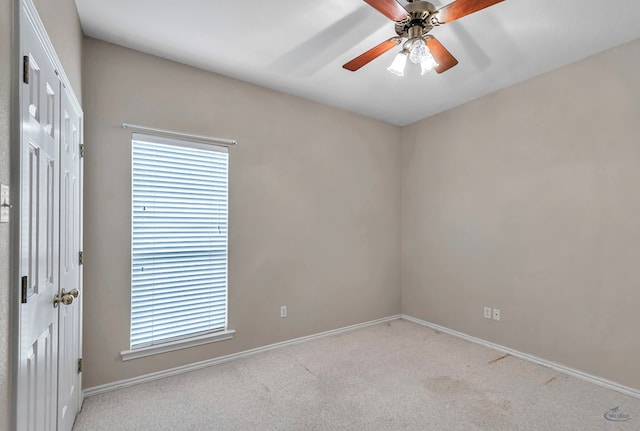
[198,365]
[549,364]
[108,387]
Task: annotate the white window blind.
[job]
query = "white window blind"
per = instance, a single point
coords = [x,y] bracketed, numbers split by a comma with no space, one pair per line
[179,239]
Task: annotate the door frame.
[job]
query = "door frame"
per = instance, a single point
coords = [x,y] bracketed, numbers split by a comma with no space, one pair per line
[18,9]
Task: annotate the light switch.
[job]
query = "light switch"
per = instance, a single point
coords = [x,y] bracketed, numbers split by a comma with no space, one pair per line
[4,203]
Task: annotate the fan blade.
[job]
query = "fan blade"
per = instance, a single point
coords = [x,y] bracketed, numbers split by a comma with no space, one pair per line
[372,54]
[389,8]
[461,8]
[443,57]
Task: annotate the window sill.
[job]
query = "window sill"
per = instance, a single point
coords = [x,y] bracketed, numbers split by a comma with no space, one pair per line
[177,345]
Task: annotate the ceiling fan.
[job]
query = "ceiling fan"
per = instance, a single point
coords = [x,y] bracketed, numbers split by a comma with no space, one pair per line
[413,23]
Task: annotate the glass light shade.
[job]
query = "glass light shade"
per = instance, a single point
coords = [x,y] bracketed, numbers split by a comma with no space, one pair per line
[419,51]
[428,64]
[397,67]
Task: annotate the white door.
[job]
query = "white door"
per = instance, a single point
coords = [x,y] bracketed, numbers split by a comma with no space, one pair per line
[69,376]
[39,218]
[49,383]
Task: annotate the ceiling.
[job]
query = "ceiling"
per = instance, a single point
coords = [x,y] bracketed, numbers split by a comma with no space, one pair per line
[299,46]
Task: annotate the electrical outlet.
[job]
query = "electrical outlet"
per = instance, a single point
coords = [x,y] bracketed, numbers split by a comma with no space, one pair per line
[487,312]
[496,314]
[283,311]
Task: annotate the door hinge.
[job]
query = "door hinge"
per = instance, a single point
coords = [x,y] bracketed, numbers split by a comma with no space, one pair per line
[80,365]
[25,288]
[81,258]
[81,150]
[25,70]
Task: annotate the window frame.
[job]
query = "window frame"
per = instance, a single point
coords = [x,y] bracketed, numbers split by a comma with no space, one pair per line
[198,337]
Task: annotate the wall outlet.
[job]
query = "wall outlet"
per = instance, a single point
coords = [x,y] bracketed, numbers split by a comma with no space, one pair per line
[496,314]
[283,311]
[487,312]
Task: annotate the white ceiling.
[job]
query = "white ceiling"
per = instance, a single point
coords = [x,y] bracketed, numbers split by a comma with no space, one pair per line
[299,46]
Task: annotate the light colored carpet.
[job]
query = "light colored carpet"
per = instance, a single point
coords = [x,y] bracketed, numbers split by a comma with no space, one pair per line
[391,376]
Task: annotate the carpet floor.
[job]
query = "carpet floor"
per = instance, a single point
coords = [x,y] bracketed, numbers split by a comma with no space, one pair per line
[390,376]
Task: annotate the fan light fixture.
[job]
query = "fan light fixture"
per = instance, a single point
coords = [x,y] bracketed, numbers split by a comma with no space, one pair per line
[397,67]
[418,53]
[428,64]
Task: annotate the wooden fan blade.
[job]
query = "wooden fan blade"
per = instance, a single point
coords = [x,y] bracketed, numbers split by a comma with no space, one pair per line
[372,54]
[460,8]
[443,57]
[389,8]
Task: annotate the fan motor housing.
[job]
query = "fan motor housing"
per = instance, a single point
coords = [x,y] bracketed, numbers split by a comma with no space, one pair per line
[421,15]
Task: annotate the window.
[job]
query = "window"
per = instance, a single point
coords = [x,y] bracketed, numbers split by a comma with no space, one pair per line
[179,240]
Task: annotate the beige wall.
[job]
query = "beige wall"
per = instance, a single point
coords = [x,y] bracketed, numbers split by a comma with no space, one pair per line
[528,200]
[5,263]
[314,206]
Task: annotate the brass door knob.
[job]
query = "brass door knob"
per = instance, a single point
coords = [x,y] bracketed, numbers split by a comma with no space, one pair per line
[65,298]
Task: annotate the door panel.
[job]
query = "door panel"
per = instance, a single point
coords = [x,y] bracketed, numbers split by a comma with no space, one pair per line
[39,220]
[40,360]
[70,315]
